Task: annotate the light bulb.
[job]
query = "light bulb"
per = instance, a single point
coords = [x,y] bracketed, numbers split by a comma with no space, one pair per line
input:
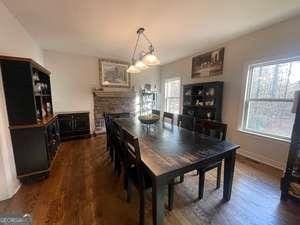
[140,65]
[133,69]
[151,60]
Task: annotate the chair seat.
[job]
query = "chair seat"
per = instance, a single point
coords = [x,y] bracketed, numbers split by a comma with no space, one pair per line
[133,176]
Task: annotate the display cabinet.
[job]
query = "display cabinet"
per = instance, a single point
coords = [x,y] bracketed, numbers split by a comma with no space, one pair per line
[203,100]
[33,127]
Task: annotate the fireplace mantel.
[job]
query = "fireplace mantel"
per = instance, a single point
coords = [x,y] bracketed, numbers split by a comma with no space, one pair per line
[114,94]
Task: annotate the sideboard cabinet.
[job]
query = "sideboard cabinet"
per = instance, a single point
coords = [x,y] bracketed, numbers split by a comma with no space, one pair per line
[74,125]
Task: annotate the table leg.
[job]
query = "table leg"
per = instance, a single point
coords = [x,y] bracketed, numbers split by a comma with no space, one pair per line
[157,203]
[228,175]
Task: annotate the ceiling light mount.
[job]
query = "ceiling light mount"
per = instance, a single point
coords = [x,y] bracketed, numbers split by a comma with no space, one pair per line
[146,58]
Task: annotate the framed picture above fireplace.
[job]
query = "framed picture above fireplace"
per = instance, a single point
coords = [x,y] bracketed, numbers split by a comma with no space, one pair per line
[113,74]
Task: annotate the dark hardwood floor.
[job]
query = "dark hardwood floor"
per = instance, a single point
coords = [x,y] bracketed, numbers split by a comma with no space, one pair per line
[83,190]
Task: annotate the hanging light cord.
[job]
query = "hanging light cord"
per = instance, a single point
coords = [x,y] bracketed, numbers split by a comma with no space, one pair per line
[147,39]
[135,47]
[151,48]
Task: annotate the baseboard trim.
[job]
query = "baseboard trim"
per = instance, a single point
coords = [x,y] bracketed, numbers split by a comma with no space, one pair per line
[261,159]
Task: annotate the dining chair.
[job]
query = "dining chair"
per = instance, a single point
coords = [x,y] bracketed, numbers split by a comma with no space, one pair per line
[117,148]
[108,128]
[169,116]
[217,130]
[156,112]
[108,116]
[187,122]
[135,172]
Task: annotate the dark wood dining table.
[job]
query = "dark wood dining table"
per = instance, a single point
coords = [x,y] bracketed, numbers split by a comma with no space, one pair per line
[169,151]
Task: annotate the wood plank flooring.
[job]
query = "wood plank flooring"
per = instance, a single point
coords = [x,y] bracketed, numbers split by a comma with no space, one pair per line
[82,189]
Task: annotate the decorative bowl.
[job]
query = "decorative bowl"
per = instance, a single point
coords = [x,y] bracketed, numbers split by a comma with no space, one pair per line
[149,119]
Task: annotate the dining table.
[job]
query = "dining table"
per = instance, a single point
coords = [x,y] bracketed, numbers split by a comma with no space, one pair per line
[168,152]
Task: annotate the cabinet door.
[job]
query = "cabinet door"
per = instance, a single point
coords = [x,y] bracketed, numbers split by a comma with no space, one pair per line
[81,122]
[66,123]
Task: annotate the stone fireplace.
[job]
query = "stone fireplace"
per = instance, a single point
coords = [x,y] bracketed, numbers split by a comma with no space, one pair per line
[113,102]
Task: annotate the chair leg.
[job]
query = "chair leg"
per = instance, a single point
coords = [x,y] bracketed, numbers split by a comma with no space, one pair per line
[201,184]
[142,207]
[171,196]
[219,170]
[128,190]
[111,152]
[117,164]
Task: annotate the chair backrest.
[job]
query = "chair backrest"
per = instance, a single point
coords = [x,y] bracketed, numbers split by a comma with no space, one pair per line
[156,112]
[212,128]
[187,122]
[108,127]
[108,121]
[131,144]
[133,155]
[116,133]
[169,116]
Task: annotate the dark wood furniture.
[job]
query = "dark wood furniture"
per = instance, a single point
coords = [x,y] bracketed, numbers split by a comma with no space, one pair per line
[290,183]
[217,130]
[160,150]
[74,125]
[156,112]
[111,142]
[135,172]
[108,127]
[203,100]
[187,122]
[169,116]
[33,127]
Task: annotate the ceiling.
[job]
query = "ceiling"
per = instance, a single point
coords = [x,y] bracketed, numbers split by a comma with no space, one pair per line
[177,28]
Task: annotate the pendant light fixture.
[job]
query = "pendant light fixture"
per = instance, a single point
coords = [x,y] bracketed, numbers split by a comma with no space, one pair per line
[146,58]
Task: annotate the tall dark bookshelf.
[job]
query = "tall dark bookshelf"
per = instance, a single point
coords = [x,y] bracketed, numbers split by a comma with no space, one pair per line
[33,127]
[290,182]
[203,100]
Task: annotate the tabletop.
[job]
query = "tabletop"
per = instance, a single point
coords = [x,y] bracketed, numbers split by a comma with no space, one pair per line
[167,149]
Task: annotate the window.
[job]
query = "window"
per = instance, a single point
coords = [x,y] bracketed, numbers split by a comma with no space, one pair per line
[269,98]
[172,95]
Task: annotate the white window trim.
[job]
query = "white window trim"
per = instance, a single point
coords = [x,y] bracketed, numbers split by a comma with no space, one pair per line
[165,98]
[246,94]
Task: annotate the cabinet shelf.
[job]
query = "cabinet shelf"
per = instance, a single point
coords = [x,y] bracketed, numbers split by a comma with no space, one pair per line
[205,93]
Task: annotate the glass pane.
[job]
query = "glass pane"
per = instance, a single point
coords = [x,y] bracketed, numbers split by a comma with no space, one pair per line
[173,88]
[273,118]
[294,79]
[279,81]
[172,105]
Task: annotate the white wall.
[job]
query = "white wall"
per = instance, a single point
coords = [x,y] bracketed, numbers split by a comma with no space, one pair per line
[72,79]
[149,76]
[278,41]
[14,41]
[74,76]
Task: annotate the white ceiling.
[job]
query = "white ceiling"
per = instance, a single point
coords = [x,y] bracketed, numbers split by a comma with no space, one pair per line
[177,28]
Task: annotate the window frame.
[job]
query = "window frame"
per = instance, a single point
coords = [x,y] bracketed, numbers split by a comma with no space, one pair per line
[248,99]
[165,96]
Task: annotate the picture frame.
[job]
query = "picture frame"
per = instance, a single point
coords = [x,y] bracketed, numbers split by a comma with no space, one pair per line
[113,74]
[208,64]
